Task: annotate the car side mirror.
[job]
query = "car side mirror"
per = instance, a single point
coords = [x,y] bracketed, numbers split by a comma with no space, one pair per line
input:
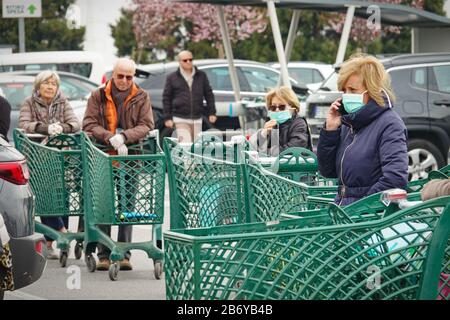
[300,89]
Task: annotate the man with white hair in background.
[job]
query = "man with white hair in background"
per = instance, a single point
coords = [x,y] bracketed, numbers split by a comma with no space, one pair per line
[118,114]
[183,95]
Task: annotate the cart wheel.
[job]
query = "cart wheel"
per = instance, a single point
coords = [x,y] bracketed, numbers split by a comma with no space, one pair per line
[78,250]
[114,270]
[63,258]
[158,269]
[90,263]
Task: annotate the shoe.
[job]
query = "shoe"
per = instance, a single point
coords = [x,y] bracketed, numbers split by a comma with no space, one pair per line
[125,265]
[52,254]
[103,264]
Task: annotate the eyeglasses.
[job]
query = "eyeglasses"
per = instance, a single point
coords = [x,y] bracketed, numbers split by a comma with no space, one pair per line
[187,60]
[47,83]
[280,107]
[121,76]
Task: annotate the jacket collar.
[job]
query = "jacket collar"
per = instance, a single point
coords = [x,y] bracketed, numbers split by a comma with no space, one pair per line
[365,115]
[179,71]
[136,91]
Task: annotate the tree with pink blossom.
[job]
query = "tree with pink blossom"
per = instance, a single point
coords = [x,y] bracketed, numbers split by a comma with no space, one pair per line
[170,24]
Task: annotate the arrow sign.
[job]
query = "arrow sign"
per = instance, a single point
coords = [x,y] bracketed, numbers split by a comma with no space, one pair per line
[32,8]
[22,8]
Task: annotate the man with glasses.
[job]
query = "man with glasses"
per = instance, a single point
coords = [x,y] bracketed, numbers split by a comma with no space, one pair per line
[183,96]
[118,114]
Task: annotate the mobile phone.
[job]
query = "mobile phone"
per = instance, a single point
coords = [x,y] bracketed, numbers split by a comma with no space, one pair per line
[341,109]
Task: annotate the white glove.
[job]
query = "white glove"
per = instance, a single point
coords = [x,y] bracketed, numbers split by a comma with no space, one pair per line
[54,129]
[117,140]
[122,150]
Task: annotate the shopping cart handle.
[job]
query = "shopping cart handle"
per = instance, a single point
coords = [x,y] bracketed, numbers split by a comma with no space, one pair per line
[408,204]
[153,134]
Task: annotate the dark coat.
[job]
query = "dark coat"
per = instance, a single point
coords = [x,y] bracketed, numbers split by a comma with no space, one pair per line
[292,133]
[5,117]
[180,101]
[368,153]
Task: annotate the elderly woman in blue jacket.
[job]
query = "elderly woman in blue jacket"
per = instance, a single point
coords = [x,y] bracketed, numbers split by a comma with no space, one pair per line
[363,142]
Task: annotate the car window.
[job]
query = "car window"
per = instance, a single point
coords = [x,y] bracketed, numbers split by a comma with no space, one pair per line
[75,89]
[305,75]
[317,76]
[16,93]
[419,78]
[260,79]
[81,68]
[330,84]
[154,81]
[442,76]
[219,78]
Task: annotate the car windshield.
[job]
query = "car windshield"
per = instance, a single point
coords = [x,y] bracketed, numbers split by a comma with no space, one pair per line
[75,89]
[260,79]
[16,93]
[330,84]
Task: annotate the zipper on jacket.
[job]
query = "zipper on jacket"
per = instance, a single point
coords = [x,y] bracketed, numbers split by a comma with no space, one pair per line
[342,161]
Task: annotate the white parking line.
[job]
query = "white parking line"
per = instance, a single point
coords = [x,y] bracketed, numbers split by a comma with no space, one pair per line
[23,295]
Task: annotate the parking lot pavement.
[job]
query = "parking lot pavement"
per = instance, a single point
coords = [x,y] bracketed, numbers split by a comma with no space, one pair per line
[62,283]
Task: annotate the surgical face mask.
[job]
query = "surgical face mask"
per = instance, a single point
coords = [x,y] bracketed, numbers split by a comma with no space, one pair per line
[280,116]
[353,101]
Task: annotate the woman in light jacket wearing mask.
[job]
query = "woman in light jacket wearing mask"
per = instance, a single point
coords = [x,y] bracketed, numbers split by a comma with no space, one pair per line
[285,128]
[363,142]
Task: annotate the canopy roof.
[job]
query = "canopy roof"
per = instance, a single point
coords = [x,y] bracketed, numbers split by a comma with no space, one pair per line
[391,14]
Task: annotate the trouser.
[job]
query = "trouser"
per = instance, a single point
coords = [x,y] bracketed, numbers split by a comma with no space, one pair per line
[125,203]
[56,223]
[125,235]
[187,130]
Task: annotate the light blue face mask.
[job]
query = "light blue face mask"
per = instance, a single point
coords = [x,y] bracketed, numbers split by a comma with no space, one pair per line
[353,101]
[280,116]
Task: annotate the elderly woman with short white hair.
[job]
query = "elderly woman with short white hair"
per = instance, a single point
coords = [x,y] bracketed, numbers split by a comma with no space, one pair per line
[47,111]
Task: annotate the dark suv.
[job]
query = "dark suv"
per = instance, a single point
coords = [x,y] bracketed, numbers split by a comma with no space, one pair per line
[28,249]
[421,83]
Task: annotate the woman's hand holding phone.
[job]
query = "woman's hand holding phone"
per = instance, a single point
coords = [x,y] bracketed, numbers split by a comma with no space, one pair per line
[334,116]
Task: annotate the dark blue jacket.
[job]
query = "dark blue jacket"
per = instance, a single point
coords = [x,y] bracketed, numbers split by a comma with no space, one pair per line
[368,153]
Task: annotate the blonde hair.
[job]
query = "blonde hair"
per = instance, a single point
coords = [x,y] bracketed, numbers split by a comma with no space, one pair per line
[285,93]
[45,75]
[374,76]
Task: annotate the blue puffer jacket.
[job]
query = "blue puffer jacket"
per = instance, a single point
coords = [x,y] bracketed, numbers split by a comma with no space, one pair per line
[368,153]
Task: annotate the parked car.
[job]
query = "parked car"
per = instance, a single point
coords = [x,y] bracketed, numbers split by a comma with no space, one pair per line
[310,74]
[255,79]
[17,86]
[84,63]
[28,249]
[421,83]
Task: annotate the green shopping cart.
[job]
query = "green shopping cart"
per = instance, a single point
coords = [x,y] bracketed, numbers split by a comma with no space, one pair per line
[403,255]
[56,178]
[123,190]
[205,188]
[208,191]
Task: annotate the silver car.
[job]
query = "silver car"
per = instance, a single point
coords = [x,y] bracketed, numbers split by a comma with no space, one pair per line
[28,249]
[17,86]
